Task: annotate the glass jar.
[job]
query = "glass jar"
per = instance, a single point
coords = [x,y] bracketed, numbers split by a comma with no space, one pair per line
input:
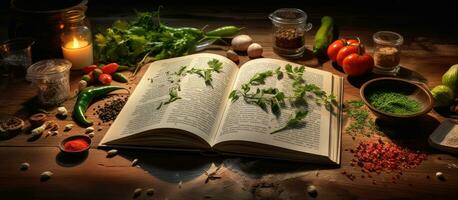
[289,27]
[387,52]
[77,39]
[15,57]
[51,77]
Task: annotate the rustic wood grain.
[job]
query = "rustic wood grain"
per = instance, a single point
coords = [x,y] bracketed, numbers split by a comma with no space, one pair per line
[98,177]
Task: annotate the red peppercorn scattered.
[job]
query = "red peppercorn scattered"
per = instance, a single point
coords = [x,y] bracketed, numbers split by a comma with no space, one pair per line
[378,156]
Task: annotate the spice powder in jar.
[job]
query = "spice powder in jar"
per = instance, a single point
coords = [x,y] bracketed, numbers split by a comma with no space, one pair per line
[289,38]
[387,57]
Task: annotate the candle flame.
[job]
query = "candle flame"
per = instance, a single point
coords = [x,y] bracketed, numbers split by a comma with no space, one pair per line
[76,43]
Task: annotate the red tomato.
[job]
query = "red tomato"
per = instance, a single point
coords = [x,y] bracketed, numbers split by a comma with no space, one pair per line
[352,41]
[105,79]
[110,68]
[89,68]
[334,48]
[347,50]
[357,65]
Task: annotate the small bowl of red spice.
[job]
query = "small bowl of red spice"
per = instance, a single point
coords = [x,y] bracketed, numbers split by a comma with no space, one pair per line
[75,144]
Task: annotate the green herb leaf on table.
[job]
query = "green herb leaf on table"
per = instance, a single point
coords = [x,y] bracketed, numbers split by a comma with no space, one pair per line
[360,120]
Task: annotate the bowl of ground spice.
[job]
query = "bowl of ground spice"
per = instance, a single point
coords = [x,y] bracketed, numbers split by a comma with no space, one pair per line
[395,99]
[75,144]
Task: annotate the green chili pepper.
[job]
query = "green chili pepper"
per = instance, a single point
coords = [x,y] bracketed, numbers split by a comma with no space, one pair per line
[85,98]
[224,31]
[191,30]
[119,77]
[122,68]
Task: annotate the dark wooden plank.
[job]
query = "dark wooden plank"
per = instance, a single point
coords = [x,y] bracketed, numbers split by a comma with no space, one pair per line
[98,177]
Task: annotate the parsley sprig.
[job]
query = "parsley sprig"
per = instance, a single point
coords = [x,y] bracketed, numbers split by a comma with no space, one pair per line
[214,66]
[273,97]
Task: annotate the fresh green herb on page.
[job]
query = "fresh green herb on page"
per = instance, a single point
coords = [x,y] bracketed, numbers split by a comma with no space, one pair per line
[275,98]
[214,66]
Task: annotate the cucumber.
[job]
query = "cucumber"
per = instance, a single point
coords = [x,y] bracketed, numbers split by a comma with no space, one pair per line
[324,36]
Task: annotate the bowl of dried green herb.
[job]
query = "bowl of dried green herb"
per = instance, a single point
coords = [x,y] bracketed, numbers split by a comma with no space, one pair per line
[395,99]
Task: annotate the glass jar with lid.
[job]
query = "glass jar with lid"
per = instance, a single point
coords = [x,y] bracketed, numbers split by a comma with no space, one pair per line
[52,79]
[289,28]
[77,39]
[387,52]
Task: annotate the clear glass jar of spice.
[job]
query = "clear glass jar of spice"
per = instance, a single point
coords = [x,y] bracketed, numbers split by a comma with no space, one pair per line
[51,77]
[289,27]
[387,52]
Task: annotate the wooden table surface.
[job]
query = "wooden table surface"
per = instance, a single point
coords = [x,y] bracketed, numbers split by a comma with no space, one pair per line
[182,175]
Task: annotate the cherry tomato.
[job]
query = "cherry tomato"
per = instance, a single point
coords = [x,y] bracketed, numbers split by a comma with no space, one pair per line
[89,68]
[105,79]
[110,68]
[357,65]
[334,48]
[347,50]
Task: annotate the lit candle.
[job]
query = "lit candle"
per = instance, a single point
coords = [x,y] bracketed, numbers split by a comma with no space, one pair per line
[78,52]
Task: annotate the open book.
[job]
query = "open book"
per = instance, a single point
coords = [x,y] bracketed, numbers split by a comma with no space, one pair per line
[205,119]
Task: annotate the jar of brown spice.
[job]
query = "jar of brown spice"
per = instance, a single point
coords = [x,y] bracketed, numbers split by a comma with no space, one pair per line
[289,27]
[387,52]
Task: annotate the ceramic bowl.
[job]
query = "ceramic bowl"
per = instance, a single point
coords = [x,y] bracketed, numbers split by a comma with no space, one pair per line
[414,90]
[73,137]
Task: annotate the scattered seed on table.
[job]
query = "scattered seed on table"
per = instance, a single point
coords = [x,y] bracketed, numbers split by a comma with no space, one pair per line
[53,126]
[91,134]
[110,110]
[90,129]
[137,192]
[150,191]
[24,166]
[62,112]
[68,127]
[112,153]
[311,190]
[440,176]
[46,175]
[134,162]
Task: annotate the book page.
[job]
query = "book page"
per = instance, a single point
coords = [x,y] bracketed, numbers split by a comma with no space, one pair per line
[248,122]
[199,110]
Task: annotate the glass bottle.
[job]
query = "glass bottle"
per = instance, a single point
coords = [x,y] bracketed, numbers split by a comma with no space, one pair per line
[288,28]
[77,39]
[387,52]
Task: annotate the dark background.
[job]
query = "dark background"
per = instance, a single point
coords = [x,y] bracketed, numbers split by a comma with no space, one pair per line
[438,17]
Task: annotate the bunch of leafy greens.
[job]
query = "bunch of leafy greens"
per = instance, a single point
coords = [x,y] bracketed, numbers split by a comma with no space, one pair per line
[145,39]
[273,97]
[214,66]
